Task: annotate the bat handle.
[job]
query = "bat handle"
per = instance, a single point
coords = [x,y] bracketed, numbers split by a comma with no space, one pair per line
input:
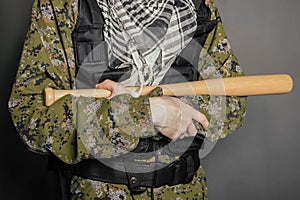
[49,96]
[52,95]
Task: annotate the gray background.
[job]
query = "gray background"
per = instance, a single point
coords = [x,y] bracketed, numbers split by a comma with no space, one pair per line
[259,161]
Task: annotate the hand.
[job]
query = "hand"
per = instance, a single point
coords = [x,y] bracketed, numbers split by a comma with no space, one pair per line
[174,118]
[170,115]
[114,87]
[208,2]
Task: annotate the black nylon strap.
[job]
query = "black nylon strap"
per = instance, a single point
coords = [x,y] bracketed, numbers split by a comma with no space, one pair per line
[91,12]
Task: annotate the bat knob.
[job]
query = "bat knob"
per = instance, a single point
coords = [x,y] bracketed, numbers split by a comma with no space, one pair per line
[49,96]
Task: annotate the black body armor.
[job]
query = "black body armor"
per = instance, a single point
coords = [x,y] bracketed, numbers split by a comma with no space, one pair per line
[93,67]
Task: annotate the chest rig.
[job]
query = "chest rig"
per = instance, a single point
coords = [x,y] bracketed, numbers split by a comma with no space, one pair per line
[93,67]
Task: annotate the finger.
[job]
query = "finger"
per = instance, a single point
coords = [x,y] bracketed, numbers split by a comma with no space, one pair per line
[181,132]
[199,117]
[183,136]
[107,85]
[114,87]
[191,130]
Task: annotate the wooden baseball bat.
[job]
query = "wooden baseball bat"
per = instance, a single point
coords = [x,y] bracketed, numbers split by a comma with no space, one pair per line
[233,86]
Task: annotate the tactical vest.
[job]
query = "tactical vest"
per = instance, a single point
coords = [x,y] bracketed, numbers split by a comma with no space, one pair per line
[91,53]
[93,67]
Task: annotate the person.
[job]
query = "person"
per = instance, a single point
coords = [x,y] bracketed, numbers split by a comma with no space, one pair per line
[86,136]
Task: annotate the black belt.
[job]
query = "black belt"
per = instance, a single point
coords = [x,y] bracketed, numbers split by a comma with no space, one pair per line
[180,171]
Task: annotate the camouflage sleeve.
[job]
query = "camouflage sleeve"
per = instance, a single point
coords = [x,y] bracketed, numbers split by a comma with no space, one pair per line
[108,128]
[217,60]
[59,129]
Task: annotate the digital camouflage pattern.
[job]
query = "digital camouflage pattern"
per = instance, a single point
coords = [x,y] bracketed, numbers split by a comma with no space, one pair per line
[73,129]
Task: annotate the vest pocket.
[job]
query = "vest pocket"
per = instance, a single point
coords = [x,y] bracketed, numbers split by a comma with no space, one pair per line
[91,61]
[91,53]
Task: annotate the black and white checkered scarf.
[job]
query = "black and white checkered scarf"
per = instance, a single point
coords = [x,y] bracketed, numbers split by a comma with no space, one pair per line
[147,34]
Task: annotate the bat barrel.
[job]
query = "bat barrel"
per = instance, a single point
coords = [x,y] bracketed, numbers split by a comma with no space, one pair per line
[258,85]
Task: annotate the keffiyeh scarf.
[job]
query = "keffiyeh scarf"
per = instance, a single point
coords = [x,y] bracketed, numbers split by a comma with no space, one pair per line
[147,35]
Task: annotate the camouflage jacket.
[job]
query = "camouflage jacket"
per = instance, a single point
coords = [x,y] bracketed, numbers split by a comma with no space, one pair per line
[76,128]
